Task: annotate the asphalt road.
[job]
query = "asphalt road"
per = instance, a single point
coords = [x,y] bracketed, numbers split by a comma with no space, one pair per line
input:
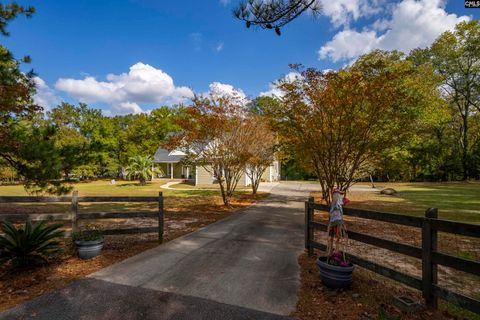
[237,268]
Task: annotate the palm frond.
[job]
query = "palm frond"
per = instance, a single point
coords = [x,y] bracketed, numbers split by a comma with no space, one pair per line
[29,244]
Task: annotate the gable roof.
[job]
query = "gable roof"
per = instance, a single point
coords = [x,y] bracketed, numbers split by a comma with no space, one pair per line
[163,156]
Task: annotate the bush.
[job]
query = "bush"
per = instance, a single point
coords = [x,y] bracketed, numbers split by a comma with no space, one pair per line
[30,244]
[88,233]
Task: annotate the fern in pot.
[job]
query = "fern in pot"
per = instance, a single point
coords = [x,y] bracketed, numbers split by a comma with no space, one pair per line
[89,241]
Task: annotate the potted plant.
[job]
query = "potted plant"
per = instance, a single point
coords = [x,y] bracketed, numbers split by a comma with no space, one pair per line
[335,270]
[88,241]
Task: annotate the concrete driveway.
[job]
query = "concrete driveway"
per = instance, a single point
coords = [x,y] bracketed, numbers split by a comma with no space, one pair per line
[242,267]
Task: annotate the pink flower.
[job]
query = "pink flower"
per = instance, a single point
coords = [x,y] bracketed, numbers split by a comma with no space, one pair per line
[336,254]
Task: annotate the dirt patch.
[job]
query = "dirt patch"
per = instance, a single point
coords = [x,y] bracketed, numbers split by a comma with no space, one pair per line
[369,293]
[183,215]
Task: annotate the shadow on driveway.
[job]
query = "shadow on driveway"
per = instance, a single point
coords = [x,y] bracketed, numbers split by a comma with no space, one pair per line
[96,299]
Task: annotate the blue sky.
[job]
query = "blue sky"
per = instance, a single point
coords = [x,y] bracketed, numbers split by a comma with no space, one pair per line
[158,52]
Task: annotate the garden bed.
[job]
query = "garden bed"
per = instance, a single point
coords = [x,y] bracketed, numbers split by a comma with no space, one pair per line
[362,301]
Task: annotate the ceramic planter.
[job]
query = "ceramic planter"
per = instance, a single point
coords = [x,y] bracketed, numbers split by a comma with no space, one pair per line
[89,249]
[335,276]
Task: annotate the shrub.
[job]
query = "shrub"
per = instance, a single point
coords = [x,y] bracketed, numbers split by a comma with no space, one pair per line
[88,233]
[29,244]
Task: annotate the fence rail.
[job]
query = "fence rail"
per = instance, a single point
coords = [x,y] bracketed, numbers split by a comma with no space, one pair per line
[74,214]
[430,257]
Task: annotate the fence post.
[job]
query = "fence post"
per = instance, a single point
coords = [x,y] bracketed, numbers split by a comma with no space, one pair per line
[74,211]
[161,217]
[429,269]
[307,207]
[308,226]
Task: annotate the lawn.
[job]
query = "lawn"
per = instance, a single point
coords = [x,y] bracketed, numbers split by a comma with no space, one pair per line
[213,187]
[458,201]
[120,188]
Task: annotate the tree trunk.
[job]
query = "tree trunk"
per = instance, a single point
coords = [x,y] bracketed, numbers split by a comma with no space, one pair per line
[142,181]
[465,144]
[254,188]
[224,194]
[255,185]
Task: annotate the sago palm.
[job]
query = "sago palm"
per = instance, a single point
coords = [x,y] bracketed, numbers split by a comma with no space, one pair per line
[140,168]
[29,244]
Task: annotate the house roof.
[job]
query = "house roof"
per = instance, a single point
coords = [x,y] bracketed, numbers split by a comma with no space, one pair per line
[164,156]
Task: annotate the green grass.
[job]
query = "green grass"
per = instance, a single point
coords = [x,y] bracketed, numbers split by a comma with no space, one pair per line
[121,188]
[458,201]
[213,187]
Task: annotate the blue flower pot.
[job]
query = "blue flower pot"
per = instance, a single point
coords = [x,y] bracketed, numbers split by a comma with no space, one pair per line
[335,276]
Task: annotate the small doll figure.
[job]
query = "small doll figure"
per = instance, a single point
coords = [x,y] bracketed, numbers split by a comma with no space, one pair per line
[336,226]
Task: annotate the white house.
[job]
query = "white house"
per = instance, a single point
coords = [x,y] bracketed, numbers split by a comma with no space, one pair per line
[173,166]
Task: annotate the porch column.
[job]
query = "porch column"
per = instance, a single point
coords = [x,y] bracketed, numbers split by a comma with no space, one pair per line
[188,172]
[171,171]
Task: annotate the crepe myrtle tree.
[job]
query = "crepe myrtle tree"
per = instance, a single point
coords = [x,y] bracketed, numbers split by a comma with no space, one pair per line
[273,14]
[216,135]
[339,122]
[261,150]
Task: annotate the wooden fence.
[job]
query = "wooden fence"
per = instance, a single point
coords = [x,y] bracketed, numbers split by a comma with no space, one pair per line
[74,214]
[430,225]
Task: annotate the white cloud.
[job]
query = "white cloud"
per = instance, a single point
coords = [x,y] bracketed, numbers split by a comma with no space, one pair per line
[342,12]
[413,24]
[348,44]
[126,108]
[45,96]
[219,47]
[217,89]
[225,2]
[274,91]
[125,92]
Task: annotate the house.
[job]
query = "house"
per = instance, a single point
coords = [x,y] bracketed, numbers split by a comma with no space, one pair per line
[172,164]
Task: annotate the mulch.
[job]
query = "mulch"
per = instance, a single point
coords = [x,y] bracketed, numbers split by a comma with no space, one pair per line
[368,294]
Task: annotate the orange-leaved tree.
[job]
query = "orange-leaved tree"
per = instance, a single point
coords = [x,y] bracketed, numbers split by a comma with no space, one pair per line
[261,149]
[339,122]
[216,135]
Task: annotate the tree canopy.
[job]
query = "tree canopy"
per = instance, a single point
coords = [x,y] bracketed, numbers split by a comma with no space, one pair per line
[340,122]
[455,56]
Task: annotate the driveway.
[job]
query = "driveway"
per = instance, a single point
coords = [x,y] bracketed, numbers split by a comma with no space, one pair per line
[242,267]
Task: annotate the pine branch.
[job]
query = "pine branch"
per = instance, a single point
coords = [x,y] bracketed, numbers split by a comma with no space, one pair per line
[273,14]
